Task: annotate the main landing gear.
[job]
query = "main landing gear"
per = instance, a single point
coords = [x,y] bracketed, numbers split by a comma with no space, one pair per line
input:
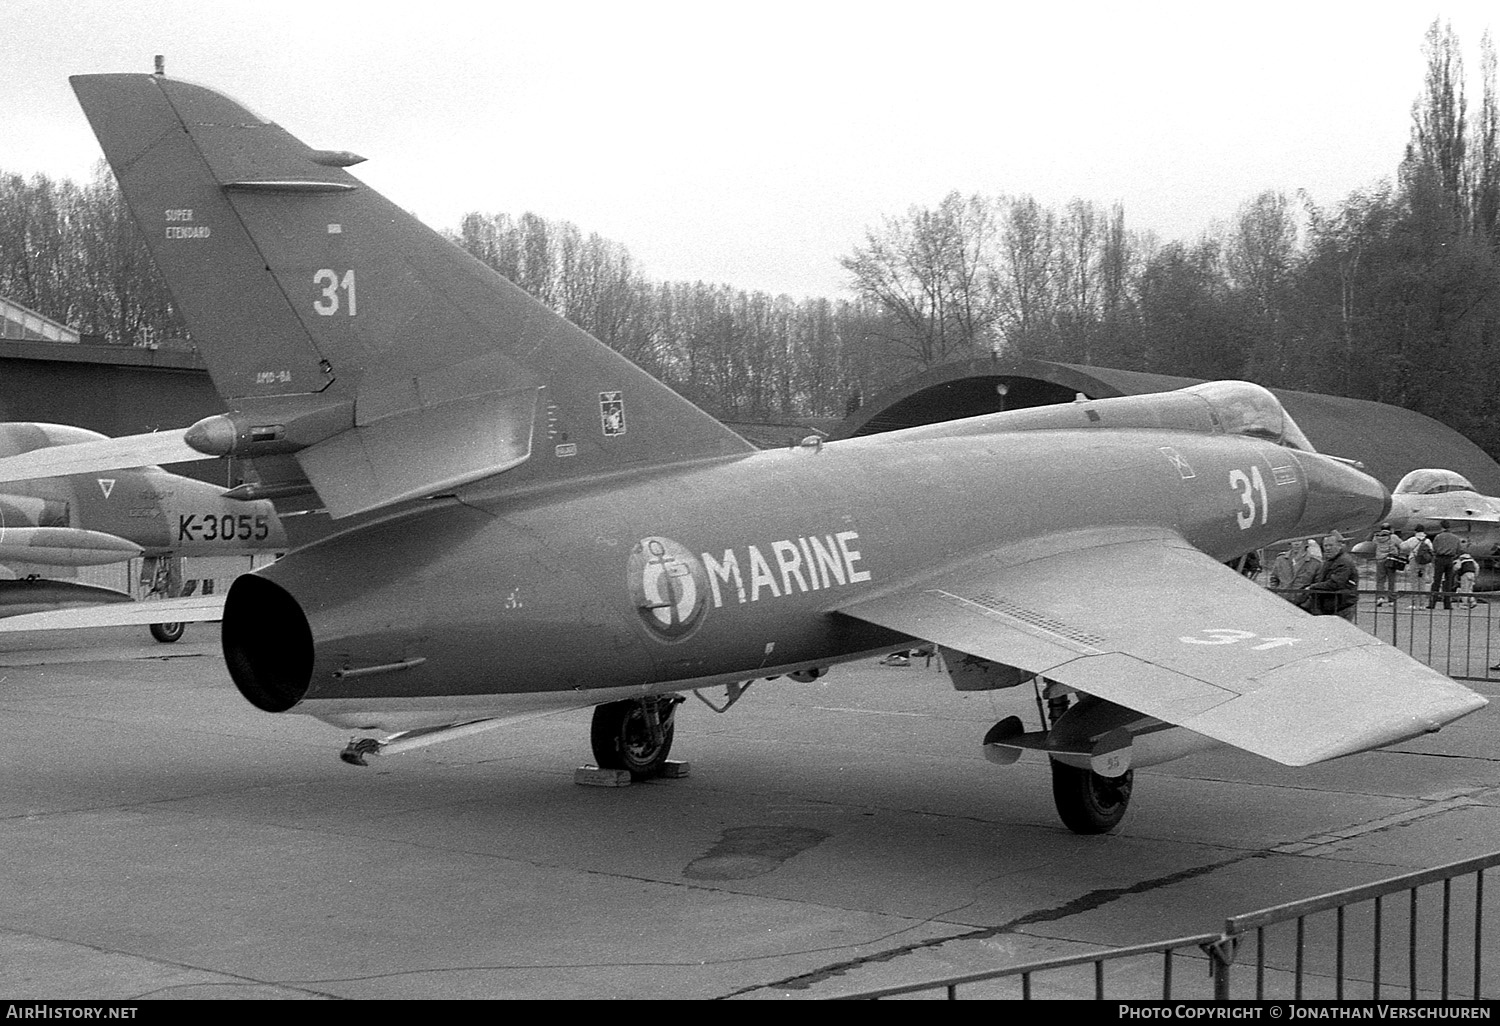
[634,735]
[1088,802]
[1089,749]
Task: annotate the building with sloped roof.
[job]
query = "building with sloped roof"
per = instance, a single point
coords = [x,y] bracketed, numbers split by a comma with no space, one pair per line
[19,322]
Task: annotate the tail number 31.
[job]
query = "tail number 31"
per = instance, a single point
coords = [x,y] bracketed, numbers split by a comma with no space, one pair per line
[327,303]
[1252,492]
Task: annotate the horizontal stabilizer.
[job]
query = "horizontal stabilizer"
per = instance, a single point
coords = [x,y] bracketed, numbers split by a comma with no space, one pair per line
[421,450]
[194,609]
[122,453]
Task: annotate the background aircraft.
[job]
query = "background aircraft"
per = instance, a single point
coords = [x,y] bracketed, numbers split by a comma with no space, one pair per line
[535,524]
[52,525]
[1424,498]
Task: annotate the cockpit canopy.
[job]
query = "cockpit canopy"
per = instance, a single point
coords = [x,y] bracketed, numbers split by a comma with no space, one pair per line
[1433,482]
[1243,408]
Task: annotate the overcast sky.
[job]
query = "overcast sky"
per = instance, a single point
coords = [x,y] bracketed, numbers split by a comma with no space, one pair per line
[753,143]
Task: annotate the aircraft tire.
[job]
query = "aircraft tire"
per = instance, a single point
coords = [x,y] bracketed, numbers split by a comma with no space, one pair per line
[166,633]
[621,737]
[1087,802]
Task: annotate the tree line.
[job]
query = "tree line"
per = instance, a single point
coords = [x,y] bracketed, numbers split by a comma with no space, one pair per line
[1392,294]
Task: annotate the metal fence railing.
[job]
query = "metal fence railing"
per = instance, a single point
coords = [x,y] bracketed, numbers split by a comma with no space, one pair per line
[1344,945]
[1423,943]
[1458,636]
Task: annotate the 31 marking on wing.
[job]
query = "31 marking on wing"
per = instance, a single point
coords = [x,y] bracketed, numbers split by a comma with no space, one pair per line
[1232,636]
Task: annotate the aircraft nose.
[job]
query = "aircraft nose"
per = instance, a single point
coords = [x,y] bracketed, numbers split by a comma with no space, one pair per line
[1339,497]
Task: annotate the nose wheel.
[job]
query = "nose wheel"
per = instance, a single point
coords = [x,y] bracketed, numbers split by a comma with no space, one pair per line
[634,735]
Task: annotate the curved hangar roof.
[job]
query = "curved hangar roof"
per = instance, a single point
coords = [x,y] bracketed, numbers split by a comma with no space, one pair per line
[1389,440]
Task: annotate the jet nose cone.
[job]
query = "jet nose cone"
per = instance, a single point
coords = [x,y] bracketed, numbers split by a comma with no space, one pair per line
[1339,497]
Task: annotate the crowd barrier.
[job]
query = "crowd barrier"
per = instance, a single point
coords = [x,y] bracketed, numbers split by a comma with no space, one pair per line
[1434,947]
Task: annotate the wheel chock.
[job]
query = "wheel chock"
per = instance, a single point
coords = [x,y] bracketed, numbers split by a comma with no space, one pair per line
[593,776]
[675,770]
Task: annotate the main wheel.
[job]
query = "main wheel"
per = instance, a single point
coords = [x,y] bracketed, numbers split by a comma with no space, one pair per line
[167,633]
[623,736]
[1087,802]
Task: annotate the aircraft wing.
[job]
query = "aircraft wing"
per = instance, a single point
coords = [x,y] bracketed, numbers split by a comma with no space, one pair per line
[1142,619]
[106,454]
[193,609]
[1477,519]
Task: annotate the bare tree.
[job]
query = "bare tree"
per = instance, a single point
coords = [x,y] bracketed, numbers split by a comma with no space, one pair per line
[929,271]
[1435,167]
[1026,283]
[1484,155]
[1080,253]
[1260,255]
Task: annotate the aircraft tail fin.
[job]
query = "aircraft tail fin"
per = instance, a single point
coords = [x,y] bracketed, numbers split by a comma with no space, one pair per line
[340,329]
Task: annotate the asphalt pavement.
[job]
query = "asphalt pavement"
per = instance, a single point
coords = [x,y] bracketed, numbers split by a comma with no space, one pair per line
[163,839]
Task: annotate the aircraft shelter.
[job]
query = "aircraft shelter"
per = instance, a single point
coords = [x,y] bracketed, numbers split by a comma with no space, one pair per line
[1388,440]
[121,390]
[113,389]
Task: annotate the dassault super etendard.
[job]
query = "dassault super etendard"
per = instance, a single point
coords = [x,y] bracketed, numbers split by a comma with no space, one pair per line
[533,523]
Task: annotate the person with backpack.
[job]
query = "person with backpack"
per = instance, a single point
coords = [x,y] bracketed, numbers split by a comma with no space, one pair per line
[1389,562]
[1418,552]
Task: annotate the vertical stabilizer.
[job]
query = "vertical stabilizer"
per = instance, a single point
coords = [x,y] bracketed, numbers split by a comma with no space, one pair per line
[409,365]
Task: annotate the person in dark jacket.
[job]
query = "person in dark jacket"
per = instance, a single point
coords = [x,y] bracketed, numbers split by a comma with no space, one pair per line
[1445,550]
[1334,590]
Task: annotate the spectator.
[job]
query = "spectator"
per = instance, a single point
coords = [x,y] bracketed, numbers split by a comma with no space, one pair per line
[1445,550]
[1466,568]
[1284,567]
[1307,566]
[1418,552]
[1389,562]
[1334,590]
[1250,564]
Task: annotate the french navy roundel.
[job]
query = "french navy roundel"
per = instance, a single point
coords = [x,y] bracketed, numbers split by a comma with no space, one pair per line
[669,586]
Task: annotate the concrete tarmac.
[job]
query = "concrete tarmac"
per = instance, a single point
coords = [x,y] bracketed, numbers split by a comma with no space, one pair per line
[163,839]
